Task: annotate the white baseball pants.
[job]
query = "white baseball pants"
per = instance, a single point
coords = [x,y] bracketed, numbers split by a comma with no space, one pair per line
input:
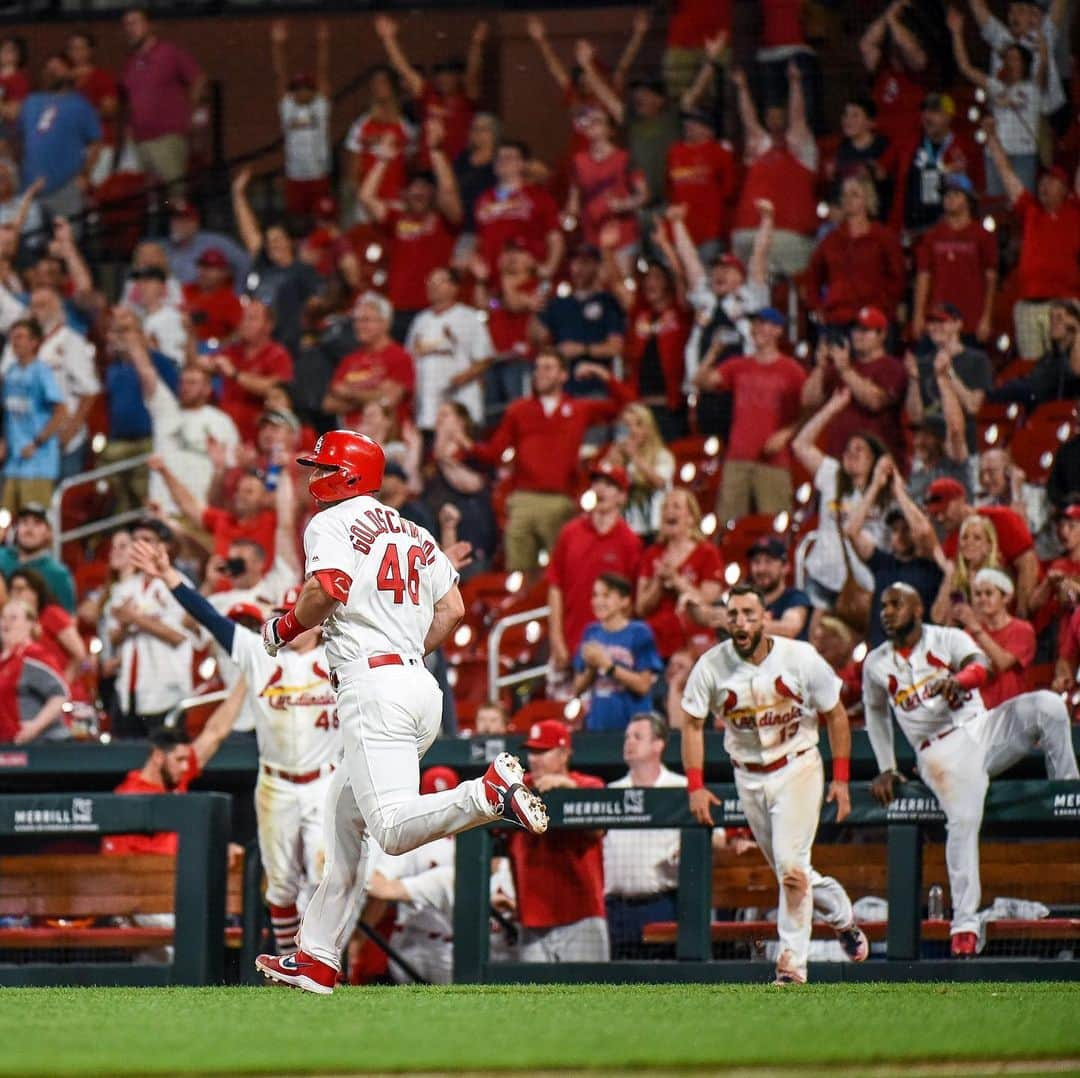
[782,809]
[290,825]
[958,769]
[389,718]
[580,941]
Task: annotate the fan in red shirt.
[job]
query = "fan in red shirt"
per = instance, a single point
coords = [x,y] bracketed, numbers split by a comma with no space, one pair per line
[559,877]
[657,328]
[878,383]
[379,370]
[56,631]
[450,97]
[765,388]
[957,263]
[596,542]
[246,518]
[97,85]
[210,302]
[858,263]
[545,432]
[32,692]
[14,82]
[947,506]
[1062,577]
[1049,265]
[174,763]
[381,133]
[894,56]
[1008,642]
[420,228]
[514,211]
[604,186]
[250,367]
[701,175]
[680,574]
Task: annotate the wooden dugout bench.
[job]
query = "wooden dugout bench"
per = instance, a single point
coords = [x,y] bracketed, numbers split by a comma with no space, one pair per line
[1043,870]
[69,889]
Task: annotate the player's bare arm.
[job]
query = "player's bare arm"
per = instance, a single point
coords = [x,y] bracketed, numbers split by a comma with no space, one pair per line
[449,610]
[220,723]
[693,760]
[840,747]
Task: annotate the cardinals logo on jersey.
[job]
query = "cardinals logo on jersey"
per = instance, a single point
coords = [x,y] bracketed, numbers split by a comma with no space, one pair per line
[783,691]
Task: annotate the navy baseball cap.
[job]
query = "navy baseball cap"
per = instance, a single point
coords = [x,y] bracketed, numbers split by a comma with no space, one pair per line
[958,181]
[771,545]
[770,315]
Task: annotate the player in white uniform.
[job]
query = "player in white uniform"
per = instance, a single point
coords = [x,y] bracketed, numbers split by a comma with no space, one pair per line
[769,691]
[929,676]
[386,596]
[296,727]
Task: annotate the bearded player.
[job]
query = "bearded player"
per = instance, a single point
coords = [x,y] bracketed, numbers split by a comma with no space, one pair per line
[296,730]
[386,595]
[769,692]
[929,677]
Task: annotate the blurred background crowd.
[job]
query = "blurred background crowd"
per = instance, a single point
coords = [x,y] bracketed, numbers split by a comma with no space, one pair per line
[796,301]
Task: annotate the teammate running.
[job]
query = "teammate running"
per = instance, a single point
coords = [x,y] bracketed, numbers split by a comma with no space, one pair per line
[769,692]
[929,677]
[386,595]
[296,729]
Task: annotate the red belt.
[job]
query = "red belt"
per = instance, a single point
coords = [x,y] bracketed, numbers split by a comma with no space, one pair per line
[375,661]
[782,761]
[937,737]
[289,776]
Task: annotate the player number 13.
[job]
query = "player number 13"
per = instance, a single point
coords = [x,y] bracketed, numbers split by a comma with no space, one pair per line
[390,578]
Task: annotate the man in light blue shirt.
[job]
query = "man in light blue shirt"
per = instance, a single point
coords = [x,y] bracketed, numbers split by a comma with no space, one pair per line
[61,140]
[33,413]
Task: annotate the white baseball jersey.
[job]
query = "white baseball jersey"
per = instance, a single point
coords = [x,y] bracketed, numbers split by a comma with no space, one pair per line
[768,710]
[306,129]
[897,682]
[398,574]
[642,861]
[444,345]
[295,714]
[428,875]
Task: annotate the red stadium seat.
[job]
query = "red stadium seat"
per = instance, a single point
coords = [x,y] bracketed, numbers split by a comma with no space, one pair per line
[741,536]
[537,711]
[1034,446]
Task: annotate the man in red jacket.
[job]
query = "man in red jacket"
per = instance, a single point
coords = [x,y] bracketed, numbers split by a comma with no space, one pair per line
[559,876]
[545,433]
[596,542]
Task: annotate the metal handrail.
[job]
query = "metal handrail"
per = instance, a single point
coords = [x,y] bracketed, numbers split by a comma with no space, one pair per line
[104,471]
[497,681]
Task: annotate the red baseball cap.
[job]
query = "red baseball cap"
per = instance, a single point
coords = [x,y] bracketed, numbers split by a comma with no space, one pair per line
[612,473]
[290,598]
[942,491]
[731,260]
[944,312]
[180,207]
[436,780]
[548,734]
[872,318]
[212,258]
[1058,173]
[245,610]
[1071,512]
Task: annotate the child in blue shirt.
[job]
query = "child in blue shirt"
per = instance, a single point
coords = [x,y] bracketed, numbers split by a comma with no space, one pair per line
[617,660]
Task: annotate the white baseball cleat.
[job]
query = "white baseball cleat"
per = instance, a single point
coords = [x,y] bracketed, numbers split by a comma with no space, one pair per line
[298,970]
[502,773]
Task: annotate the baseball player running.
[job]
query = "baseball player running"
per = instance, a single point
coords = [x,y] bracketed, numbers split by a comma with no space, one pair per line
[296,729]
[769,691]
[929,676]
[386,595]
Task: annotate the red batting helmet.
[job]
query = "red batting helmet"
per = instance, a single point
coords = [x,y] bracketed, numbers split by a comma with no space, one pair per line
[358,464]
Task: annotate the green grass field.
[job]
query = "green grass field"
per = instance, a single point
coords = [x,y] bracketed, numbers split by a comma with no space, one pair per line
[847,1029]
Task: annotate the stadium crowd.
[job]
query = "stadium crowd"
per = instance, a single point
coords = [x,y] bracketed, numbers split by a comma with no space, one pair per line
[726,336]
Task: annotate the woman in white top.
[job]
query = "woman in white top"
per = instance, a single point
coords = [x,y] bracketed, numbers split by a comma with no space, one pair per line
[840,485]
[649,465]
